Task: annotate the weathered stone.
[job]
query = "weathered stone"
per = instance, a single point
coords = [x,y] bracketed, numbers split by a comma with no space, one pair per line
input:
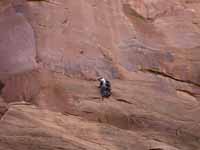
[53,50]
[17,43]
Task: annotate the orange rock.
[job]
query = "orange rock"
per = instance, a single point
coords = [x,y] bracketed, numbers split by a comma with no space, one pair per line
[52,51]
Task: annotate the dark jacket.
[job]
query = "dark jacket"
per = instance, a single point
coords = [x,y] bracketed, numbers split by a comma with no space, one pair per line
[105,88]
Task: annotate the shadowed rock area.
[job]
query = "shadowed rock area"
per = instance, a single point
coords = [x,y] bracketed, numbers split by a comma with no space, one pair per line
[52,51]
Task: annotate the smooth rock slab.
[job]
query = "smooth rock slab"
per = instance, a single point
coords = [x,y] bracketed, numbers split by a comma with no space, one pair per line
[17,43]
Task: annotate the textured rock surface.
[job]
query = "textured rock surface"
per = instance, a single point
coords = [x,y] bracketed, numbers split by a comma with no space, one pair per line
[17,42]
[52,50]
[47,130]
[90,38]
[141,114]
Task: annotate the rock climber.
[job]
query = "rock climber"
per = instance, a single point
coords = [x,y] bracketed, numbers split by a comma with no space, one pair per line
[105,87]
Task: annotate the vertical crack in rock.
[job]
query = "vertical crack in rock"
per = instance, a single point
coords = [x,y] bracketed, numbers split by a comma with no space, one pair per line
[2,85]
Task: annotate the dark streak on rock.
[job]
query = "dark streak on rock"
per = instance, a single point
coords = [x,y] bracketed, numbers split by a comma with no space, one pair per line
[187,92]
[2,85]
[130,13]
[47,1]
[123,100]
[69,113]
[87,112]
[3,111]
[42,25]
[157,72]
[96,97]
[65,21]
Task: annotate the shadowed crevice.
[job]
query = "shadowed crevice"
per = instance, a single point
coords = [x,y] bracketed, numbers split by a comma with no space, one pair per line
[132,14]
[159,73]
[187,92]
[123,100]
[2,85]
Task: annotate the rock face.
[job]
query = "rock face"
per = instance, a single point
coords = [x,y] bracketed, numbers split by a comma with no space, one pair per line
[53,50]
[17,42]
[68,113]
[91,38]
